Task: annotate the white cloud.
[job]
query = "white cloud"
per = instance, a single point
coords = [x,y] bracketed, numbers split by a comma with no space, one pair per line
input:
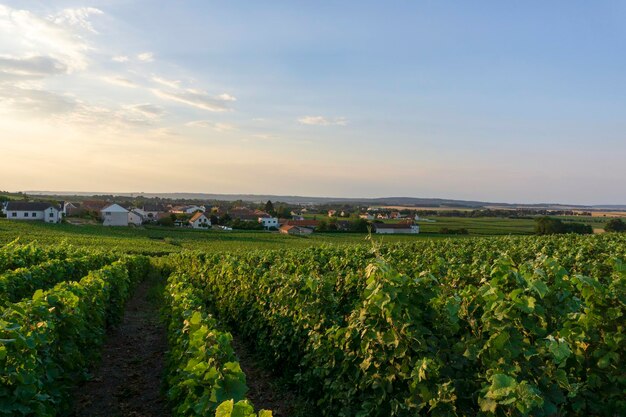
[76,17]
[220,127]
[120,58]
[25,33]
[121,81]
[322,121]
[226,97]
[166,82]
[196,98]
[146,57]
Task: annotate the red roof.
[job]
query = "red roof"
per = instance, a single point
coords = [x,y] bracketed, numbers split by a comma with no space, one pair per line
[303,223]
[196,216]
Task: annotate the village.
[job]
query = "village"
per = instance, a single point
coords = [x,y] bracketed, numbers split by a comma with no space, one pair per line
[297,221]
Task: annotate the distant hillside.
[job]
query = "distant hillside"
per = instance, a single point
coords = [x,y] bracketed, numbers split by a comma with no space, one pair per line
[304,200]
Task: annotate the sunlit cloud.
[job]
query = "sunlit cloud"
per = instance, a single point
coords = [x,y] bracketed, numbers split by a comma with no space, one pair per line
[196,98]
[146,57]
[166,82]
[120,58]
[76,17]
[150,110]
[121,81]
[21,30]
[219,127]
[322,121]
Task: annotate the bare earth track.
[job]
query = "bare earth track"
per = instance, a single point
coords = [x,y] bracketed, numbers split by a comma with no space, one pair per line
[128,380]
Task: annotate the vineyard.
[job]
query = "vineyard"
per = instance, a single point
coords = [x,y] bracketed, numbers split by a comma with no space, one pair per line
[507,326]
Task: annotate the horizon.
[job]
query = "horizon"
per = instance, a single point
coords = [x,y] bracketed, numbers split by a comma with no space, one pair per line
[327,197]
[485,102]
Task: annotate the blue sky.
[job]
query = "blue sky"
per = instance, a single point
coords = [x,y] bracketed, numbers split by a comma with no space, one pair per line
[486,100]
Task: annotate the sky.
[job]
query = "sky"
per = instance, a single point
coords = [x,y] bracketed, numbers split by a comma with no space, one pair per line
[484,100]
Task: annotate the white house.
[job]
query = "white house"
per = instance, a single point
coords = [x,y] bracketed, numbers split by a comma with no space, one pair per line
[22,210]
[200,221]
[269,222]
[115,215]
[392,228]
[366,216]
[188,209]
[136,217]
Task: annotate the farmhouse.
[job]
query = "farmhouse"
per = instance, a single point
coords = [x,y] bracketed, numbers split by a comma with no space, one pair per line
[21,210]
[391,228]
[200,221]
[115,215]
[268,221]
[295,230]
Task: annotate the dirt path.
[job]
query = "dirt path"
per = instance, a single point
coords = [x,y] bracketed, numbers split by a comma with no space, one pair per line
[264,392]
[128,381]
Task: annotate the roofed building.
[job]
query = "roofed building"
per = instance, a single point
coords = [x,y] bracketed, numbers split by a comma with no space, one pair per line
[38,211]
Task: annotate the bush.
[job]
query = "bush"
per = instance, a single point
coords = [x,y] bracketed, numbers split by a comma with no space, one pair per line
[551,226]
[615,225]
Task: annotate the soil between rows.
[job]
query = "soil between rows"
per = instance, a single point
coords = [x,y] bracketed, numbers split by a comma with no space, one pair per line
[129,378]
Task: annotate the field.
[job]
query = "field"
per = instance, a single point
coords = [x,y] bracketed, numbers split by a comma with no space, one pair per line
[159,240]
[409,326]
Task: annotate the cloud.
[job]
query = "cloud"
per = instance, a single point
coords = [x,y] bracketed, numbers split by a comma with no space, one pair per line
[53,36]
[30,67]
[121,81]
[36,102]
[76,17]
[220,127]
[322,121]
[148,110]
[165,82]
[120,58]
[226,97]
[146,57]
[196,98]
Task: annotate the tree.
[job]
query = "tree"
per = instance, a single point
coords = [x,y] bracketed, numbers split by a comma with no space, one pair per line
[269,207]
[551,226]
[615,225]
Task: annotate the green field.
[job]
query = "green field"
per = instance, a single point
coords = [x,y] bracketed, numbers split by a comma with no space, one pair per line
[155,240]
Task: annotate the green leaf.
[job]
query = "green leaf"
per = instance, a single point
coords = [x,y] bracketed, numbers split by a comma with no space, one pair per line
[225,409]
[501,386]
[196,318]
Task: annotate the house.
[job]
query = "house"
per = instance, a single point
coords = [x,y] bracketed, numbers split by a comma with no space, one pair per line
[295,230]
[332,213]
[268,222]
[153,211]
[136,217]
[200,221]
[22,210]
[72,209]
[187,209]
[366,216]
[115,215]
[309,224]
[394,228]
